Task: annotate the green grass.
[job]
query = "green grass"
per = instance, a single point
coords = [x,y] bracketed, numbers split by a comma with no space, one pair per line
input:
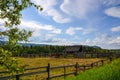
[107,72]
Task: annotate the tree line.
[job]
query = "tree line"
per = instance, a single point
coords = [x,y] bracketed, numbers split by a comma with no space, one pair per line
[40,49]
[50,49]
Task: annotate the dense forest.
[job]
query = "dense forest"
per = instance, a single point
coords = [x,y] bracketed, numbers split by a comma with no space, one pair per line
[50,49]
[40,49]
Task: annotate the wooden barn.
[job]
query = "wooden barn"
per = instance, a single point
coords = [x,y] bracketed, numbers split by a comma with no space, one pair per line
[76,51]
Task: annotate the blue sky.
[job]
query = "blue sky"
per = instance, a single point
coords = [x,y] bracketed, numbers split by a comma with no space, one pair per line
[69,22]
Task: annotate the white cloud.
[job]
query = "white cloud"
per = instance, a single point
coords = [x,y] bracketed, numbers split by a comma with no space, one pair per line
[106,41]
[110,2]
[71,30]
[115,41]
[57,31]
[37,28]
[57,41]
[84,31]
[115,29]
[88,41]
[49,10]
[100,40]
[79,8]
[113,11]
[88,30]
[57,16]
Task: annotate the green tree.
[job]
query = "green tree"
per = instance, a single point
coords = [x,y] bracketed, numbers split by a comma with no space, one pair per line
[10,13]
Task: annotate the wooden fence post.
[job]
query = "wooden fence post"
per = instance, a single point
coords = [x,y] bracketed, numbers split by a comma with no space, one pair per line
[64,72]
[97,64]
[48,71]
[102,62]
[17,77]
[76,66]
[110,59]
[84,67]
[92,65]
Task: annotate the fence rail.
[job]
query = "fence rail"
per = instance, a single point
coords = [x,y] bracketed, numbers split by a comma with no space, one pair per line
[48,68]
[84,55]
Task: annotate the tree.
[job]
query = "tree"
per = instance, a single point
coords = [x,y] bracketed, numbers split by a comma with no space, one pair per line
[10,13]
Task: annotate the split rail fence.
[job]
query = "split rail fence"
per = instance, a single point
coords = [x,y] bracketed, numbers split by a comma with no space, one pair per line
[77,69]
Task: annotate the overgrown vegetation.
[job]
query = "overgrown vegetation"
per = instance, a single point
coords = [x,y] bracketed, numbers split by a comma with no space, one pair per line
[107,72]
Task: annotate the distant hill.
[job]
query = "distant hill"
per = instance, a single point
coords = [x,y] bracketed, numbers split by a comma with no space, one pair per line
[96,47]
[26,44]
[34,44]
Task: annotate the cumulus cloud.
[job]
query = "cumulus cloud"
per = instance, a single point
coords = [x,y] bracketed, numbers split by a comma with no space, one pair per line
[57,41]
[113,11]
[37,28]
[88,41]
[71,30]
[115,29]
[49,10]
[106,41]
[115,41]
[84,31]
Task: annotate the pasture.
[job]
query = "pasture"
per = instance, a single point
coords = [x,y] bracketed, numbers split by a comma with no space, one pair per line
[37,62]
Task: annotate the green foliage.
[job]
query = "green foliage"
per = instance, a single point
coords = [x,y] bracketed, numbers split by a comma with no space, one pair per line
[107,72]
[10,63]
[11,10]
[10,13]
[41,49]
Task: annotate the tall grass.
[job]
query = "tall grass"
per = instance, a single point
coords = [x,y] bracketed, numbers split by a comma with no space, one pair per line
[107,72]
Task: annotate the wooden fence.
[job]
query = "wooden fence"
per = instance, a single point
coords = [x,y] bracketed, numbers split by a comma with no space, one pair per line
[85,55]
[77,69]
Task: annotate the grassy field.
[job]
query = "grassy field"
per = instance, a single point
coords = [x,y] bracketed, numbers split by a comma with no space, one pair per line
[107,72]
[37,62]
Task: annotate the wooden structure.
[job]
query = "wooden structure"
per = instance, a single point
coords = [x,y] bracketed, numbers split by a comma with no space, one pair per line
[76,51]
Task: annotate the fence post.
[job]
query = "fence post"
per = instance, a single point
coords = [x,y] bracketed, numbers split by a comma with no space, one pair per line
[17,77]
[84,67]
[76,66]
[48,71]
[92,65]
[97,64]
[64,72]
[110,59]
[102,62]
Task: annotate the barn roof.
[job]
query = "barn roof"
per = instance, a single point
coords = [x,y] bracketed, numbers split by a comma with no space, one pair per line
[73,48]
